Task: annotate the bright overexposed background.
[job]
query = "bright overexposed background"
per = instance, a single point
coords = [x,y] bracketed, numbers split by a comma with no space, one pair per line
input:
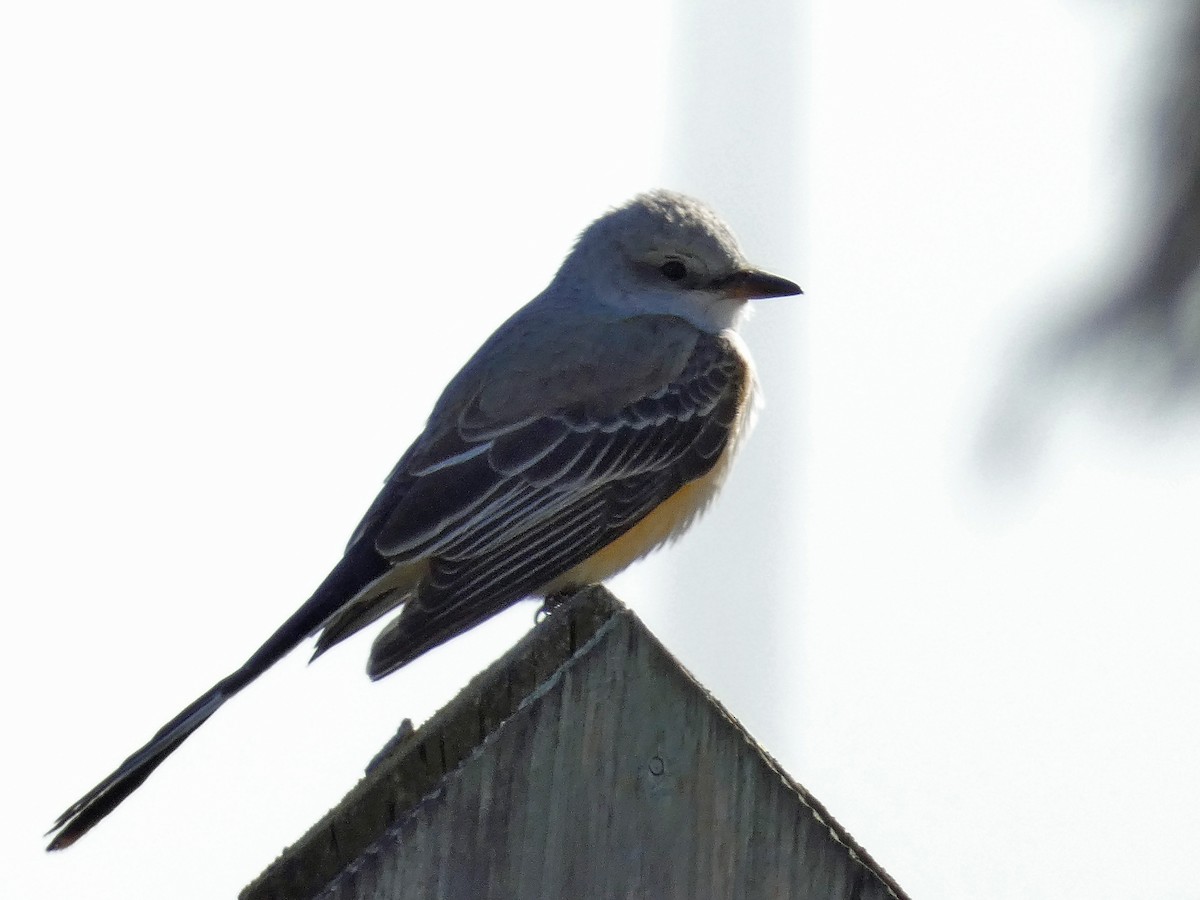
[242,246]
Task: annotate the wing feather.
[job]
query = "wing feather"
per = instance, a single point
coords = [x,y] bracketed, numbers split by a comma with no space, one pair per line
[556,489]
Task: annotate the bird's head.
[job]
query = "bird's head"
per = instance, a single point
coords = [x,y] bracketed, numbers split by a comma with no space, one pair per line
[667,254]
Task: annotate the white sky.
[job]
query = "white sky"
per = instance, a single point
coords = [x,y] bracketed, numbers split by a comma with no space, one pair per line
[244,246]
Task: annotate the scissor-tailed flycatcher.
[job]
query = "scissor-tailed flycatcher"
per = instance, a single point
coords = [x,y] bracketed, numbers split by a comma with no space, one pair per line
[592,427]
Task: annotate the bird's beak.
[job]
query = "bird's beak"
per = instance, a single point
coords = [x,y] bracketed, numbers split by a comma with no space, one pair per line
[754,284]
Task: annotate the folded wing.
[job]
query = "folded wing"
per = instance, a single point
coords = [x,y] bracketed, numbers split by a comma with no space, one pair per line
[495,519]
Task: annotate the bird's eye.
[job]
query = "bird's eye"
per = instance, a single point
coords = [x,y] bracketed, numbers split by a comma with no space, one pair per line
[673,270]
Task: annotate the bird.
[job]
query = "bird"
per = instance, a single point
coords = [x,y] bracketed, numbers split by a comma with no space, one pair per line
[591,428]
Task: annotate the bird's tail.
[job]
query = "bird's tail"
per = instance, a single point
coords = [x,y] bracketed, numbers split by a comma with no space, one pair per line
[358,568]
[104,797]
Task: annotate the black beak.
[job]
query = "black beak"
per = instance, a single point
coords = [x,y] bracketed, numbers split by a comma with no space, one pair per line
[754,284]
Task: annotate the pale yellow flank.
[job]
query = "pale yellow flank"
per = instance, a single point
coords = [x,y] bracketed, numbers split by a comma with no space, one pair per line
[670,518]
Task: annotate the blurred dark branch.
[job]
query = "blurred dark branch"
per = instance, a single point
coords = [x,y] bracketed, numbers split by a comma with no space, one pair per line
[1154,316]
[1157,310]
[1141,339]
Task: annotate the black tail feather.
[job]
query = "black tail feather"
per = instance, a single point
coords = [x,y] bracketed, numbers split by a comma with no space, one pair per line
[360,566]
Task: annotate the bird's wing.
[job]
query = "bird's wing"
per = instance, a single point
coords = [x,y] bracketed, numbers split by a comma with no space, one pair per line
[535,365]
[506,507]
[539,365]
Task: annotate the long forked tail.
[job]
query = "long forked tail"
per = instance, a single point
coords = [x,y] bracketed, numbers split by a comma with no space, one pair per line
[104,797]
[357,568]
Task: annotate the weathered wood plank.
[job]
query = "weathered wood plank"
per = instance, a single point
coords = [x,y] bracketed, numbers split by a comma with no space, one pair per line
[585,764]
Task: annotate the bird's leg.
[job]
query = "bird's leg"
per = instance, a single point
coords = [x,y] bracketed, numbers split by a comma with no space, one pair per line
[551,602]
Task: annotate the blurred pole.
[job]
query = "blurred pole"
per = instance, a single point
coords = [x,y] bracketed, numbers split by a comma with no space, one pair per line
[733,140]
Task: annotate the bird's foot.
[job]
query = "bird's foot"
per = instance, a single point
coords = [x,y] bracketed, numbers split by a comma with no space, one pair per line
[551,602]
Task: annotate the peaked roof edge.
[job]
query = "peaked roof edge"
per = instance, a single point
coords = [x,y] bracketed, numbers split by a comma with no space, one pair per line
[410,768]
